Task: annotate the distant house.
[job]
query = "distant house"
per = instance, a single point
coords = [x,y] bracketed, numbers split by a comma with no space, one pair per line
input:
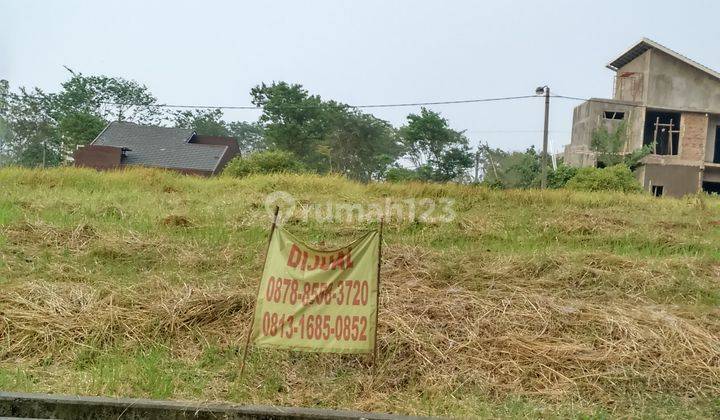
[668,101]
[123,144]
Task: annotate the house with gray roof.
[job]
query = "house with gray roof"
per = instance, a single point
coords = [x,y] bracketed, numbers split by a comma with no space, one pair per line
[123,144]
[666,102]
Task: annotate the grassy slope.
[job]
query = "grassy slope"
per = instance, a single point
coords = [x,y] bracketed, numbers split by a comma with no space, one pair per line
[139,284]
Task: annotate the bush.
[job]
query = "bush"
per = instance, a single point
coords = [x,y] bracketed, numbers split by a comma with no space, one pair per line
[268,162]
[401,174]
[493,184]
[559,178]
[612,178]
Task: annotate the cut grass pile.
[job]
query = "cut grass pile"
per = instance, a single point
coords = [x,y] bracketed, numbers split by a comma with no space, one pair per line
[140,283]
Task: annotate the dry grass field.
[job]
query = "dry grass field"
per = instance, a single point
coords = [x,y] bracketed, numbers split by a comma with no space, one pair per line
[554,304]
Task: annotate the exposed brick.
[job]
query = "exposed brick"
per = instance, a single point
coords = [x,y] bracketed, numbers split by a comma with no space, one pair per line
[693,135]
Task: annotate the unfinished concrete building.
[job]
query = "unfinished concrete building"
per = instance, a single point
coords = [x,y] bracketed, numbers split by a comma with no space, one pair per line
[667,101]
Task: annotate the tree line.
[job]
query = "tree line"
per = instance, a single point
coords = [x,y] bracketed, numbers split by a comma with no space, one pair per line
[296,130]
[324,136]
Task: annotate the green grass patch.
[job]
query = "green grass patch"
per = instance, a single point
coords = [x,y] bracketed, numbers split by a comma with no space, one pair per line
[528,304]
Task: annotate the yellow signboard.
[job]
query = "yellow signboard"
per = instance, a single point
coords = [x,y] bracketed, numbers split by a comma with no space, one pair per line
[320,301]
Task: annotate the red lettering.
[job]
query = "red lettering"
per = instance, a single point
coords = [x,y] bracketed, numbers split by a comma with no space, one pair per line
[299,259]
[294,257]
[315,266]
[339,262]
[303,263]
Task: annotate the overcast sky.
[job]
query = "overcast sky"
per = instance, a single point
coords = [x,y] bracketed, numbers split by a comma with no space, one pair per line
[360,52]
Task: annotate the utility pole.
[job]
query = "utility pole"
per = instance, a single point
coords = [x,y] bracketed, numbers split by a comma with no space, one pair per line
[477,165]
[492,162]
[543,159]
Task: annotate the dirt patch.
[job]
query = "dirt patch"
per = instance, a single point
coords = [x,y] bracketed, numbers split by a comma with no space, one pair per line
[584,223]
[40,233]
[176,221]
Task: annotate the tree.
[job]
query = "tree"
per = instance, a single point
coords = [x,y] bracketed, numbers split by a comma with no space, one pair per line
[4,130]
[79,128]
[206,122]
[250,136]
[41,128]
[293,120]
[503,169]
[525,168]
[432,145]
[326,136]
[609,147]
[453,164]
[32,136]
[110,98]
[360,145]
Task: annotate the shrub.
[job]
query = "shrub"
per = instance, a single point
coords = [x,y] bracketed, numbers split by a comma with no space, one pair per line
[493,184]
[559,178]
[613,178]
[401,174]
[269,162]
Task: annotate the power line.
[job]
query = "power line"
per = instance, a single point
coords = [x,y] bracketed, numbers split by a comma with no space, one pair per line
[516,131]
[465,101]
[601,101]
[387,105]
[390,105]
[253,107]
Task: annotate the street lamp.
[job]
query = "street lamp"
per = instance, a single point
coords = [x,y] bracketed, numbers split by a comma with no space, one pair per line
[544,90]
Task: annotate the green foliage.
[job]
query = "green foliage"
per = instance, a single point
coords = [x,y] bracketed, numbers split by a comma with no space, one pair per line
[610,145]
[42,128]
[359,145]
[399,174]
[206,122]
[293,119]
[31,133]
[613,178]
[4,130]
[325,135]
[503,169]
[110,98]
[250,136]
[525,167]
[559,178]
[273,161]
[79,128]
[520,169]
[440,153]
[634,158]
[453,164]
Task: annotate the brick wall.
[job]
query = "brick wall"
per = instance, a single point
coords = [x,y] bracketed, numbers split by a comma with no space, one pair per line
[693,135]
[98,157]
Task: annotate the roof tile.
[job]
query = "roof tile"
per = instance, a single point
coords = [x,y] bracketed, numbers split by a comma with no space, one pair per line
[163,147]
